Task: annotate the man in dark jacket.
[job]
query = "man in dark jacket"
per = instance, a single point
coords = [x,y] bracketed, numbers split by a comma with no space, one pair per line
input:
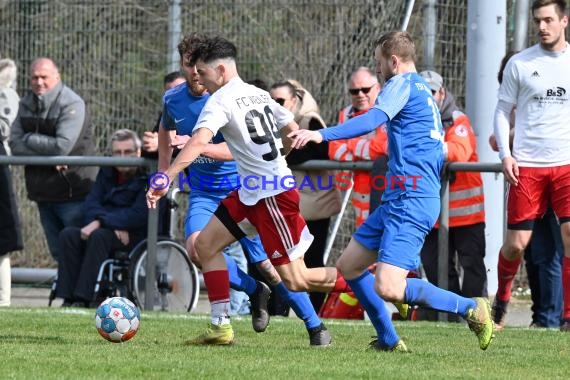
[115,217]
[52,121]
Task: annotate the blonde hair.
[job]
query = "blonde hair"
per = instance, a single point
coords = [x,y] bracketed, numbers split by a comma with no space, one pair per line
[398,43]
[8,73]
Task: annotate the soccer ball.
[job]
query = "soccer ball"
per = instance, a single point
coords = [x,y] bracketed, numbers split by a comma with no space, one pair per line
[117,319]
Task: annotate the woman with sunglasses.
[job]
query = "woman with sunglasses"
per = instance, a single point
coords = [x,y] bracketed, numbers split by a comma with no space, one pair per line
[322,200]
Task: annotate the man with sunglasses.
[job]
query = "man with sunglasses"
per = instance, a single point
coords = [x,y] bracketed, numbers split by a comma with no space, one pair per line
[363,88]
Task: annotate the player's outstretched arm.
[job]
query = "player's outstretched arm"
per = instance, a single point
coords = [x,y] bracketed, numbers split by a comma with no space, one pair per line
[195,146]
[287,133]
[164,148]
[299,138]
[218,152]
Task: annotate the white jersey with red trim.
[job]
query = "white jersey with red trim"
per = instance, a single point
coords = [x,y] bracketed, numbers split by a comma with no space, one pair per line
[250,122]
[537,81]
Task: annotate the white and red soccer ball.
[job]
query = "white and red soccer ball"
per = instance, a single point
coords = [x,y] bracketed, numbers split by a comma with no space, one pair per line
[117,319]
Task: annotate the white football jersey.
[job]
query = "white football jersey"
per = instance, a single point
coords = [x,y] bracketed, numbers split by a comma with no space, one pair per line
[538,83]
[250,122]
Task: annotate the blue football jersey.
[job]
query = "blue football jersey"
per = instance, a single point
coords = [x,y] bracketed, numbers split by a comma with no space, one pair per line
[415,138]
[180,112]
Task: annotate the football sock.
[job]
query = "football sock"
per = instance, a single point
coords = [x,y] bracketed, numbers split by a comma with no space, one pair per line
[506,272]
[239,280]
[566,287]
[423,293]
[218,286]
[301,305]
[381,318]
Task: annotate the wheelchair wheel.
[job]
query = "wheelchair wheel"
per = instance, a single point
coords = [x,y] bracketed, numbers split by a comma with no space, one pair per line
[177,285]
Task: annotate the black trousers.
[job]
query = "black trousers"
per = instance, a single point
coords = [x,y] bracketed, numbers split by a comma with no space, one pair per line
[466,244]
[10,232]
[81,259]
[315,254]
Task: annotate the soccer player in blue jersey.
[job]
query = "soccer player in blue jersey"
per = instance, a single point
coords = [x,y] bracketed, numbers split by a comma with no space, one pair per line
[210,178]
[394,233]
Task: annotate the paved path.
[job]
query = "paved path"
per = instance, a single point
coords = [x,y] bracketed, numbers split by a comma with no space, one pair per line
[22,296]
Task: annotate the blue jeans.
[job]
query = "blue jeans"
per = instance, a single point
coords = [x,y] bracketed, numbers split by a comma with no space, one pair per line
[545,259]
[55,216]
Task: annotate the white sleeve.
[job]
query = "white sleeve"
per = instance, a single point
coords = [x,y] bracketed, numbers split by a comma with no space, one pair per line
[214,115]
[501,127]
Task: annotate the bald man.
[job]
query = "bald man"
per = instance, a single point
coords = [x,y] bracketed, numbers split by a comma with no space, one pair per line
[52,121]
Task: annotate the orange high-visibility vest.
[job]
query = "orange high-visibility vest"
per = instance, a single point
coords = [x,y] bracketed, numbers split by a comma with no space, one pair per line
[366,147]
[466,199]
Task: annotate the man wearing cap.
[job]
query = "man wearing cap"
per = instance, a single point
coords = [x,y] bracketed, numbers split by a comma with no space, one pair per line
[466,202]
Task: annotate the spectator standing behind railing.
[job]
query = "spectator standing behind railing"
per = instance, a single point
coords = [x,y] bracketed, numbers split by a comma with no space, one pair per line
[466,202]
[536,82]
[10,235]
[150,138]
[363,88]
[321,201]
[114,217]
[52,121]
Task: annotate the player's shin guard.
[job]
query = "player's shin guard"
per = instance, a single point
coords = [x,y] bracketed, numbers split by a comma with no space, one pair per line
[301,305]
[423,293]
[381,318]
[239,280]
[506,272]
[218,286]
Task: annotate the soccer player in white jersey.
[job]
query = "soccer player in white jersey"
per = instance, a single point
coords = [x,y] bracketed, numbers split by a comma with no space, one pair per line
[255,129]
[537,82]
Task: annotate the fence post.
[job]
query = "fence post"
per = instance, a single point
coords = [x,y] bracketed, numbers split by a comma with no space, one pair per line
[443,237]
[152,239]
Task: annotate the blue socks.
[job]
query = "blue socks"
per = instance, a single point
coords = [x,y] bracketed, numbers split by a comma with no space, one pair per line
[239,280]
[423,293]
[363,288]
[301,305]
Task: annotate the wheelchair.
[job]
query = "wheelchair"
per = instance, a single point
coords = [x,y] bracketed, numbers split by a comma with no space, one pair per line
[177,281]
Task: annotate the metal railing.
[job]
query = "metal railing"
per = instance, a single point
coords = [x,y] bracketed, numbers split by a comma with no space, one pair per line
[152,232]
[443,248]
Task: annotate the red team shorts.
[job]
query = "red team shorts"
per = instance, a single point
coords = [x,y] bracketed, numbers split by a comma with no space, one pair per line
[277,219]
[538,188]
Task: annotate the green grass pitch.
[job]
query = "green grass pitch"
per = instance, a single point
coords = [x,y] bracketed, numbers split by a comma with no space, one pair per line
[56,343]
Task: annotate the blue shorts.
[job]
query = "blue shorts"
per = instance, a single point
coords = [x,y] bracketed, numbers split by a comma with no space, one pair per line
[397,230]
[201,207]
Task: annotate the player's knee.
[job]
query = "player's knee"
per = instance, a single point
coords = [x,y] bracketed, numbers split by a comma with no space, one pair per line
[386,291]
[347,268]
[267,270]
[295,284]
[201,248]
[513,250]
[192,255]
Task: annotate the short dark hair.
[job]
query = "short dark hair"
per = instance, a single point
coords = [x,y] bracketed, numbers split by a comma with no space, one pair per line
[560,6]
[259,83]
[504,64]
[171,77]
[212,49]
[398,43]
[188,44]
[287,84]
